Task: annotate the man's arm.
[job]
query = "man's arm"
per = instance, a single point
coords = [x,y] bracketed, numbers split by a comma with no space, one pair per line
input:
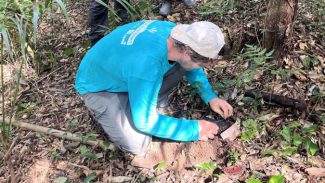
[143,96]
[197,78]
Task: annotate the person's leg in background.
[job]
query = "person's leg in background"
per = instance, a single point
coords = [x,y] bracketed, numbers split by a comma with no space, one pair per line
[166,6]
[98,19]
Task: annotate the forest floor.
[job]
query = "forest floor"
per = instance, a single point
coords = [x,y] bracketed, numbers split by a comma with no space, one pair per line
[275,140]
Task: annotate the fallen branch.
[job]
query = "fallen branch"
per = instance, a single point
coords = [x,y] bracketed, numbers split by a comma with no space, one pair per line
[61,134]
[278,99]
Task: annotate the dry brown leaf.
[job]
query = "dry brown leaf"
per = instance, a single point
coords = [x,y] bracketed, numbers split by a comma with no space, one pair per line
[319,172]
[299,75]
[260,163]
[316,161]
[119,179]
[39,170]
[302,45]
[291,175]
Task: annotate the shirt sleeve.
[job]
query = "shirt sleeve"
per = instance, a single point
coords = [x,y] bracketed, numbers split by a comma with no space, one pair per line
[197,78]
[143,96]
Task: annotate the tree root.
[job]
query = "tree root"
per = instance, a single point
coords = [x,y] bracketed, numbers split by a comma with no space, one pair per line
[301,105]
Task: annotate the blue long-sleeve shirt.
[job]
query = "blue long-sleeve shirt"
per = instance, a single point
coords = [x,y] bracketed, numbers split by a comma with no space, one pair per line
[134,58]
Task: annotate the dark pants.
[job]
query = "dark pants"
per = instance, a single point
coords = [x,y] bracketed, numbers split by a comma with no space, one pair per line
[112,111]
[98,19]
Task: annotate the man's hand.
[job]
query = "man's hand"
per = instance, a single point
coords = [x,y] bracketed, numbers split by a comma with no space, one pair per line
[221,107]
[207,130]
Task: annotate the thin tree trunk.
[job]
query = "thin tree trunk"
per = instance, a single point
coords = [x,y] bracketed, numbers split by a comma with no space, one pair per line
[279,25]
[60,134]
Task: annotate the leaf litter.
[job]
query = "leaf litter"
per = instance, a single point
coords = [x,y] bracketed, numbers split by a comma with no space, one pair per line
[54,103]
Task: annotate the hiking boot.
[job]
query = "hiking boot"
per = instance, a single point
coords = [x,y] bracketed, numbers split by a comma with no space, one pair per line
[165,8]
[189,3]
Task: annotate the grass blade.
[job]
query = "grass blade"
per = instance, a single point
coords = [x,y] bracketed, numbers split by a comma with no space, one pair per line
[62,7]
[35,20]
[7,42]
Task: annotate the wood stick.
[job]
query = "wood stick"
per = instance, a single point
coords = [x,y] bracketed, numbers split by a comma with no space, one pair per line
[60,134]
[278,99]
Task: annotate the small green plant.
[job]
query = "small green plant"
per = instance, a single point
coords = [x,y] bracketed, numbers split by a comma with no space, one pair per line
[296,137]
[18,27]
[84,151]
[233,156]
[256,58]
[206,166]
[216,6]
[276,179]
[90,177]
[252,180]
[249,129]
[161,165]
[55,155]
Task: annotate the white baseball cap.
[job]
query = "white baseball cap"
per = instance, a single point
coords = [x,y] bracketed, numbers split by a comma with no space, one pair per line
[203,37]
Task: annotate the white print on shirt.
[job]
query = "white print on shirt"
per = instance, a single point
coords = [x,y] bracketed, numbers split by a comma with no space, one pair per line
[133,34]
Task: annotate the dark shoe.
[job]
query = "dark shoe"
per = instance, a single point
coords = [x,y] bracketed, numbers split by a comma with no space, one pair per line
[165,9]
[189,3]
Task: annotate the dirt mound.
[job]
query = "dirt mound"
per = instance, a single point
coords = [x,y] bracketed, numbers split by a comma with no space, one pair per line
[182,155]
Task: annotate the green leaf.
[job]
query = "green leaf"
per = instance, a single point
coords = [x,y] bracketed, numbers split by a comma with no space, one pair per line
[277,179]
[62,7]
[6,41]
[106,145]
[69,52]
[286,133]
[35,20]
[83,149]
[251,180]
[289,151]
[313,148]
[297,139]
[61,180]
[249,129]
[269,152]
[294,124]
[309,130]
[89,155]
[161,165]
[90,177]
[206,166]
[269,54]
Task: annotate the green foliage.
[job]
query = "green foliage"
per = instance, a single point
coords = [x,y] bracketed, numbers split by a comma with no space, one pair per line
[106,145]
[252,180]
[249,129]
[55,155]
[206,166]
[277,179]
[255,57]
[18,26]
[84,151]
[318,8]
[136,9]
[216,6]
[233,156]
[90,177]
[161,165]
[296,136]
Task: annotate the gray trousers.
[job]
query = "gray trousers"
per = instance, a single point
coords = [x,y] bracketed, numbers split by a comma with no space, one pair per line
[112,111]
